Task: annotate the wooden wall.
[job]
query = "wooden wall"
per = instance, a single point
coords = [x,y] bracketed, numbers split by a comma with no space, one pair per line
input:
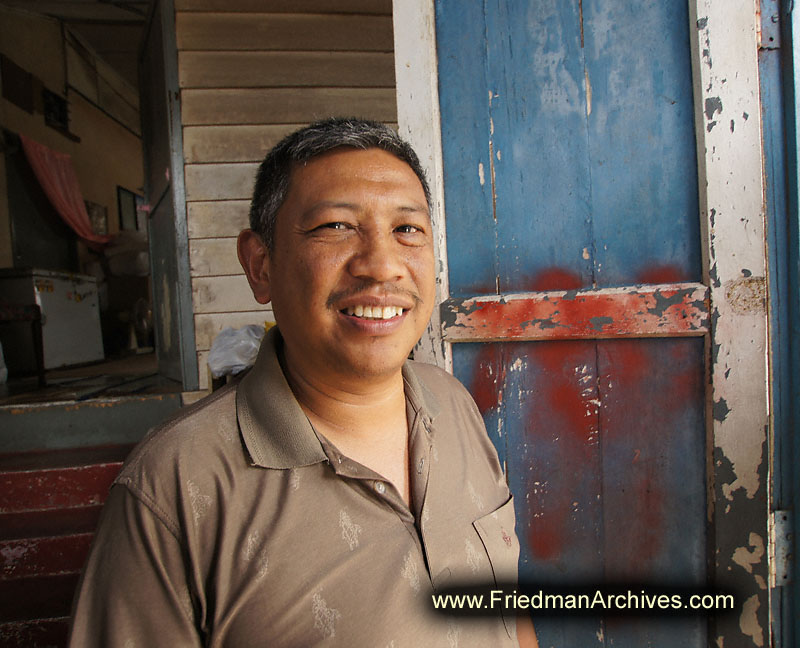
[250,72]
[103,108]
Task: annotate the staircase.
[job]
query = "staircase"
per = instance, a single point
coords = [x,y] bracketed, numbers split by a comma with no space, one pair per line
[50,502]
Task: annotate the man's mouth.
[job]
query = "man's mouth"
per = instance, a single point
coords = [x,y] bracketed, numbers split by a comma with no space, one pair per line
[374,312]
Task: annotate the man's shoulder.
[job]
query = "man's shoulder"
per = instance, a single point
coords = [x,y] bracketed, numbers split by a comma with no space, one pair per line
[435,378]
[187,440]
[447,391]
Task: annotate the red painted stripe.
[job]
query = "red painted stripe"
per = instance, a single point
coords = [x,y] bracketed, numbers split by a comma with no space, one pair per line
[42,597]
[44,556]
[52,522]
[28,634]
[36,490]
[667,310]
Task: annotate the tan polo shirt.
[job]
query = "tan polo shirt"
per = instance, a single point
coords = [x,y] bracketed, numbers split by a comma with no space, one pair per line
[235,525]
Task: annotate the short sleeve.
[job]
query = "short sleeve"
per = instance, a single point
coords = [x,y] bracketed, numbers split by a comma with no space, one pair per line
[134,590]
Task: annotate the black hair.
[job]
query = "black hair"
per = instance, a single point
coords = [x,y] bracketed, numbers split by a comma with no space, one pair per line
[274,174]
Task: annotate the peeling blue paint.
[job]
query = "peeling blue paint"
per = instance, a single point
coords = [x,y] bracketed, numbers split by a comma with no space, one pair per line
[721,410]
[543,323]
[599,322]
[712,274]
[702,22]
[713,105]
[663,303]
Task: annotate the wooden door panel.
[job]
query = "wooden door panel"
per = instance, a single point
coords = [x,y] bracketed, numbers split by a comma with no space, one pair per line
[642,150]
[570,179]
[604,447]
[577,166]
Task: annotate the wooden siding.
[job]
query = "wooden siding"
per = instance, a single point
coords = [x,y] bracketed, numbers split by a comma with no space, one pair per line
[250,72]
[379,7]
[282,32]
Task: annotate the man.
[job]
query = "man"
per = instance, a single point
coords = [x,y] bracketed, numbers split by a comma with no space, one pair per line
[325,497]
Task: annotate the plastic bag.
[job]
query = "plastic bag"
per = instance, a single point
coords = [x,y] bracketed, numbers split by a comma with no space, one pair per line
[234,350]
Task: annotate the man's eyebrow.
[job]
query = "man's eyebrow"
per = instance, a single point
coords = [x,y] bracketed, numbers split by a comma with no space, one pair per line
[338,204]
[413,208]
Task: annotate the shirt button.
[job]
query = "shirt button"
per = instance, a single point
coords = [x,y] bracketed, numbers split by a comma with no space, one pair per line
[380,487]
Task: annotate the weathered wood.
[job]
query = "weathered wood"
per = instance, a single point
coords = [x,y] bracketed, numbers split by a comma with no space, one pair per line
[217,218]
[202,363]
[287,32]
[729,150]
[44,556]
[208,257]
[224,295]
[39,632]
[207,326]
[286,69]
[248,143]
[38,490]
[420,123]
[673,310]
[220,181]
[115,104]
[232,143]
[81,74]
[377,7]
[285,105]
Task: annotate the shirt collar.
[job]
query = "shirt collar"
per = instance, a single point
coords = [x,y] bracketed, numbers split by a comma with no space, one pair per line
[276,431]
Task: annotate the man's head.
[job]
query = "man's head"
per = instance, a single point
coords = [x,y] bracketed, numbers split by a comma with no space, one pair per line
[349,267]
[274,174]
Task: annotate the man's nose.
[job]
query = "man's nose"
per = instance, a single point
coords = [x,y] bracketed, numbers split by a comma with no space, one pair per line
[378,258]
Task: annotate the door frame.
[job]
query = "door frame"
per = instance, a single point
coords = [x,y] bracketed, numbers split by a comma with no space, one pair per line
[184,308]
[724,53]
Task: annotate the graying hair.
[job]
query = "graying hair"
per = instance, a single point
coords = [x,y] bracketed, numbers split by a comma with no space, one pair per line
[274,174]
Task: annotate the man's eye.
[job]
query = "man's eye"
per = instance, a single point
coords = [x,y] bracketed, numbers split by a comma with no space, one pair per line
[337,225]
[407,229]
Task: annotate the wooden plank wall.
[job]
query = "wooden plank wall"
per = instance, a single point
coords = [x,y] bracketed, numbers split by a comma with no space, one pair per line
[250,72]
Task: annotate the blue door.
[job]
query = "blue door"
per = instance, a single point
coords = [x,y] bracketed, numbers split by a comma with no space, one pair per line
[578,313]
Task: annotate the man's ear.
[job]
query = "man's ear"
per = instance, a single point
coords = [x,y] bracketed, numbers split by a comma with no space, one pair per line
[254,257]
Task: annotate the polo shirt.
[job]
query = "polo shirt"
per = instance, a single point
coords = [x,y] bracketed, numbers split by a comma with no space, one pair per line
[235,524]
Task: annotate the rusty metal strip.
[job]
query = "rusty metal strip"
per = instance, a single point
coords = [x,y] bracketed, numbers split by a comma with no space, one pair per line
[665,310]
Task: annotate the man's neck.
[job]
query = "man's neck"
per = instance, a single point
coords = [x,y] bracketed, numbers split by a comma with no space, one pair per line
[365,419]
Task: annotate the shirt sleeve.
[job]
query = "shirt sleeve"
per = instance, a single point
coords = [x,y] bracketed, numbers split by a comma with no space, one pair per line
[134,591]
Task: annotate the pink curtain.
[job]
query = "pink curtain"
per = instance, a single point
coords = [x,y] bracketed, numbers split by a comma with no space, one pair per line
[57,176]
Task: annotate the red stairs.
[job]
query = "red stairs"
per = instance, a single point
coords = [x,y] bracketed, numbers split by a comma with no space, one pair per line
[50,501]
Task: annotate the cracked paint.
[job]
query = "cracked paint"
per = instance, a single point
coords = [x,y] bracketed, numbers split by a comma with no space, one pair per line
[721,410]
[745,557]
[677,310]
[748,620]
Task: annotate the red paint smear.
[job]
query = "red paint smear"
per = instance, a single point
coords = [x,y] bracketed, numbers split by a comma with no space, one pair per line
[584,316]
[488,378]
[563,418]
[641,399]
[662,275]
[544,539]
[554,279]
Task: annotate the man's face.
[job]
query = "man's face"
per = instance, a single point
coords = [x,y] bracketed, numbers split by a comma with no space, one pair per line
[352,236]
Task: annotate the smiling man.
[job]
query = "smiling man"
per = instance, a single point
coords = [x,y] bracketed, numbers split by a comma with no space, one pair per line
[324,498]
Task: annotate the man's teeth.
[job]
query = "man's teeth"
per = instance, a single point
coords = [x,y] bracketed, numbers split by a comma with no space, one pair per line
[374,312]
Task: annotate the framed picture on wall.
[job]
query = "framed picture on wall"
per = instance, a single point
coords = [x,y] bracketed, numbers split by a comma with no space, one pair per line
[127,203]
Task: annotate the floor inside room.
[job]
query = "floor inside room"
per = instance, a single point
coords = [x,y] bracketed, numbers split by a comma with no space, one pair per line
[128,375]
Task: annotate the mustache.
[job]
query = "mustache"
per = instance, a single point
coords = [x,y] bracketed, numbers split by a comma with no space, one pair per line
[386,289]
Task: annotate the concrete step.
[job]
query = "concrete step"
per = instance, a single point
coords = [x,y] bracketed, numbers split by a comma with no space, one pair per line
[50,501]
[42,633]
